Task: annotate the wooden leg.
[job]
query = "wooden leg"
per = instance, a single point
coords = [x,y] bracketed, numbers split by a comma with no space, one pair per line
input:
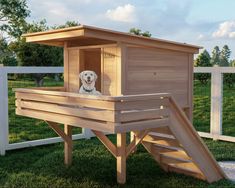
[68,145]
[121,158]
[133,138]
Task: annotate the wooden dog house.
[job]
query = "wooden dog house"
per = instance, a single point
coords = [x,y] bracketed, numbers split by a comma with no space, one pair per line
[147,89]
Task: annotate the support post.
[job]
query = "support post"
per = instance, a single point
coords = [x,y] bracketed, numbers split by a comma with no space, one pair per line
[132,137]
[216,103]
[68,145]
[3,111]
[121,158]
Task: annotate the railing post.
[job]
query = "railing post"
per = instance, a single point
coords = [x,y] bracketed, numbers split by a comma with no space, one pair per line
[216,103]
[3,111]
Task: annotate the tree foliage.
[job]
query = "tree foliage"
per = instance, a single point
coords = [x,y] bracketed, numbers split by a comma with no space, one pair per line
[137,31]
[67,24]
[215,57]
[224,56]
[7,57]
[203,60]
[29,54]
[12,16]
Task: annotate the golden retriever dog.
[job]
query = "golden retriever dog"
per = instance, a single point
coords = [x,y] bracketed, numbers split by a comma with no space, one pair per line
[88,79]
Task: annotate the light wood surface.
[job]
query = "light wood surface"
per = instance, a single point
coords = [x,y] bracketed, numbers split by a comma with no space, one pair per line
[57,37]
[162,128]
[121,158]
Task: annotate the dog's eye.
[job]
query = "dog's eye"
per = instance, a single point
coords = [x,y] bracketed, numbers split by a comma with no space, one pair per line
[86,74]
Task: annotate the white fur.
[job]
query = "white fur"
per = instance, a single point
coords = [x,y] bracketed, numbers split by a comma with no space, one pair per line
[88,79]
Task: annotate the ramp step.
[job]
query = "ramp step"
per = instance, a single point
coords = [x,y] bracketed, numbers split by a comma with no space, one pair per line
[177,155]
[187,169]
[161,147]
[162,139]
[163,130]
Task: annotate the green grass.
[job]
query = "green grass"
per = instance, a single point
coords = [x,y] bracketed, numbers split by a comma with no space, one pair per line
[93,165]
[23,128]
[201,111]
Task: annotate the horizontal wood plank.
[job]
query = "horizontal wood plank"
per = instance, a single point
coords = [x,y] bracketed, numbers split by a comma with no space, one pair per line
[141,125]
[75,101]
[89,113]
[140,115]
[66,119]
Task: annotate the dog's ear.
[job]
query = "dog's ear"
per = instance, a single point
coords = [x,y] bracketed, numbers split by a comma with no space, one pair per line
[95,75]
[81,75]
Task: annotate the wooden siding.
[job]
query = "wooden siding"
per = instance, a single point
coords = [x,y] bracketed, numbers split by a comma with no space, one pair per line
[73,70]
[110,71]
[156,70]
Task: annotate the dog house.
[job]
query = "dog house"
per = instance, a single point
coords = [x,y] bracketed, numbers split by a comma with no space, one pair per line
[146,87]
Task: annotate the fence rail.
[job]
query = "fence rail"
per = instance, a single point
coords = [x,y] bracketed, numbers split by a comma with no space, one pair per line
[215,110]
[4,116]
[216,102]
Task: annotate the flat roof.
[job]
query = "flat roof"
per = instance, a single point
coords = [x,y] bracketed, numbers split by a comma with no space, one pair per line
[87,35]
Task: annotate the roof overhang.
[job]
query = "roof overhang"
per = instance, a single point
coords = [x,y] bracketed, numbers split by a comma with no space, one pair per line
[87,35]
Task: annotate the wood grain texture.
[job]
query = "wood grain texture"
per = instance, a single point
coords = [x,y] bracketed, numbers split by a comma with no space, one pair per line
[121,158]
[156,70]
[79,33]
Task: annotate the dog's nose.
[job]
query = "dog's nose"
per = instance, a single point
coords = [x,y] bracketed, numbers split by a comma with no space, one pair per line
[88,78]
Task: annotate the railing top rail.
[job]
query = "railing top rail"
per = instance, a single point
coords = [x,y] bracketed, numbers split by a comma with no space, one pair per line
[214,69]
[95,97]
[28,70]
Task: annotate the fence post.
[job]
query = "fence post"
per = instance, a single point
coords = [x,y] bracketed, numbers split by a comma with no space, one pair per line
[3,111]
[216,102]
[87,133]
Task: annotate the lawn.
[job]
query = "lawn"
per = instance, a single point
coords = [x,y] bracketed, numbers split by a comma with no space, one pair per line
[201,111]
[93,165]
[32,129]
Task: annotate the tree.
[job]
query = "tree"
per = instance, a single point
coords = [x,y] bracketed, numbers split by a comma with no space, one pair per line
[67,24]
[224,56]
[137,31]
[7,58]
[229,78]
[29,54]
[215,58]
[12,16]
[232,63]
[203,60]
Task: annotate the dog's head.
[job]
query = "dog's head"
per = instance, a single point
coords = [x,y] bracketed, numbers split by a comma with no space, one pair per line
[88,77]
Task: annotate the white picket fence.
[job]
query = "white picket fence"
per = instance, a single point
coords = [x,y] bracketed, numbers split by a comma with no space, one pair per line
[216,102]
[4,116]
[216,106]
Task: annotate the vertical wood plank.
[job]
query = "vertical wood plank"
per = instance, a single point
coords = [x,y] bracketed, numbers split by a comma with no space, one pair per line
[189,111]
[133,137]
[109,61]
[68,146]
[121,158]
[73,70]
[66,67]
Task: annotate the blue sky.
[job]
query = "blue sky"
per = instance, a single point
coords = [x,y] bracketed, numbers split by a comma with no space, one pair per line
[202,22]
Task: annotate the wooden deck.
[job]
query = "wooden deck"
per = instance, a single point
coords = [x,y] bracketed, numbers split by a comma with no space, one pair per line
[156,121]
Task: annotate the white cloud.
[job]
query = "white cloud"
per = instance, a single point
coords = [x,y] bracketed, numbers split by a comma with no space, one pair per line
[225,30]
[124,13]
[201,37]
